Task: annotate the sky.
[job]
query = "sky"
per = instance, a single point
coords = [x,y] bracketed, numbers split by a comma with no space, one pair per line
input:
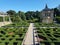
[27,5]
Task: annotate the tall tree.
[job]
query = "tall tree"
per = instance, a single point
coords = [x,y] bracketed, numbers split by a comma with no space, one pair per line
[11,12]
[22,15]
[56,12]
[57,15]
[30,15]
[38,15]
[13,15]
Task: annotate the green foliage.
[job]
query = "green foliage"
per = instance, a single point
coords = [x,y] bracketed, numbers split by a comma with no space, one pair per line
[1,19]
[6,18]
[11,34]
[11,12]
[47,25]
[22,15]
[49,36]
[56,12]
[57,19]
[30,16]
[15,18]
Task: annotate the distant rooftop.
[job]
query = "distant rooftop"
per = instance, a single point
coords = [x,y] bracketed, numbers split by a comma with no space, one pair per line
[46,8]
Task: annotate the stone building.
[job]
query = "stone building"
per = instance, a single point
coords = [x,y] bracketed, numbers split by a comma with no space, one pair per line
[47,15]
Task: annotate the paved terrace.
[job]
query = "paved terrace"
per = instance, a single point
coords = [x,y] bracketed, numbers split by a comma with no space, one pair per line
[4,23]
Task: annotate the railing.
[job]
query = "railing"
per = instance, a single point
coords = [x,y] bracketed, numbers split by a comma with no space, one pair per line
[33,37]
[38,43]
[34,41]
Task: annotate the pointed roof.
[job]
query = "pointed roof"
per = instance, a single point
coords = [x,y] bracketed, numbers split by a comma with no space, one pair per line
[46,8]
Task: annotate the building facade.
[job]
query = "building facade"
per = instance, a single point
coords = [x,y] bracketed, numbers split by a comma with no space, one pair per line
[47,15]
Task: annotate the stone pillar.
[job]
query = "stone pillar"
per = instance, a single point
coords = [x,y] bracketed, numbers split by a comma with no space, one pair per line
[9,19]
[4,19]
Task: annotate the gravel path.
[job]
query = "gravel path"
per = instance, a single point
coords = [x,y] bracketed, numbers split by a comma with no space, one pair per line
[29,35]
[30,38]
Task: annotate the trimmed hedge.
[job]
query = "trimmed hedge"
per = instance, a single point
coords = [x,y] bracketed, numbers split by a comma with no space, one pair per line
[10,35]
[50,36]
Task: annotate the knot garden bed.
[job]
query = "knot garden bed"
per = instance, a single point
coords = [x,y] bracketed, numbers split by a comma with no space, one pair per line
[10,35]
[49,36]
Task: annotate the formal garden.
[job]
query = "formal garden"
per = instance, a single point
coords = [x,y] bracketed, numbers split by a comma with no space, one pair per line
[13,34]
[49,35]
[47,25]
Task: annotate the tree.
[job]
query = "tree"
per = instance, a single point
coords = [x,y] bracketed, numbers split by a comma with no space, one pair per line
[13,15]
[38,15]
[11,12]
[57,13]
[30,15]
[33,16]
[22,15]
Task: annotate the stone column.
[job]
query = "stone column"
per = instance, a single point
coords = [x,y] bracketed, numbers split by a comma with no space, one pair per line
[9,19]
[3,18]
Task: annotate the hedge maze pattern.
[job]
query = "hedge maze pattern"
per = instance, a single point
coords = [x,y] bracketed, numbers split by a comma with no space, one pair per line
[12,34]
[50,36]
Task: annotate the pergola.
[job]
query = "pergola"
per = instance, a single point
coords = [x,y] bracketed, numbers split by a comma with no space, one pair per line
[2,14]
[4,22]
